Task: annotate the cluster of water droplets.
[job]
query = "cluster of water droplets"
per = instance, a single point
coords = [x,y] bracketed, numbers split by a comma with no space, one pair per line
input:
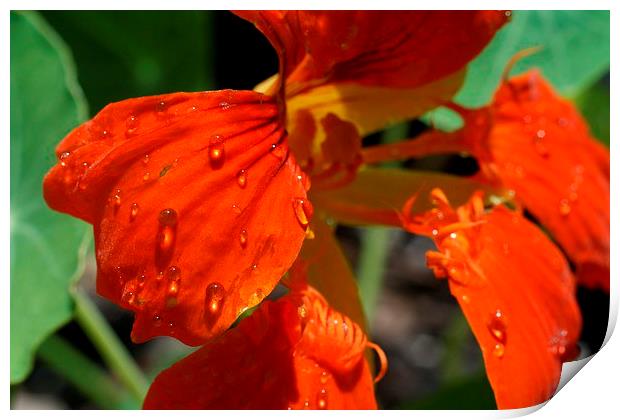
[497,328]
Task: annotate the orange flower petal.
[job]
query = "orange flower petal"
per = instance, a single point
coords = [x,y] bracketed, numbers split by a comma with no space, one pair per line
[402,49]
[515,289]
[540,146]
[292,353]
[198,206]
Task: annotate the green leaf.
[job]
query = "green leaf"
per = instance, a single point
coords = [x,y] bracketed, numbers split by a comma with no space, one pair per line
[125,54]
[594,105]
[574,55]
[46,247]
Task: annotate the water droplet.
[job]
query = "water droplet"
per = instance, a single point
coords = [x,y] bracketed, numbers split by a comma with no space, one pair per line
[278,151]
[173,275]
[216,152]
[236,209]
[130,292]
[157,320]
[242,178]
[434,232]
[63,158]
[565,208]
[146,176]
[168,217]
[214,297]
[303,211]
[160,107]
[135,208]
[145,159]
[498,350]
[104,134]
[243,238]
[324,377]
[453,235]
[306,404]
[225,105]
[497,326]
[465,299]
[116,199]
[166,234]
[131,125]
[321,400]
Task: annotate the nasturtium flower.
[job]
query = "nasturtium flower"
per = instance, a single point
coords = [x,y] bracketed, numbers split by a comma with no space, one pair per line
[296,352]
[198,204]
[515,288]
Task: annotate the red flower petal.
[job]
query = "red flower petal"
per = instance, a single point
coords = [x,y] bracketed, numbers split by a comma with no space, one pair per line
[197,204]
[379,48]
[516,291]
[540,146]
[292,353]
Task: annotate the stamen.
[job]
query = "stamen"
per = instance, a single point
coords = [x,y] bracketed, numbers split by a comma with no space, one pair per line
[382,360]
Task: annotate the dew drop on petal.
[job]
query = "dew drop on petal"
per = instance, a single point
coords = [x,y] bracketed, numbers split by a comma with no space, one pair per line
[242,178]
[306,404]
[324,377]
[146,159]
[236,209]
[321,399]
[63,158]
[167,229]
[565,208]
[157,320]
[160,107]
[243,238]
[216,152]
[214,297]
[146,176]
[497,326]
[116,199]
[135,208]
[131,125]
[498,350]
[302,211]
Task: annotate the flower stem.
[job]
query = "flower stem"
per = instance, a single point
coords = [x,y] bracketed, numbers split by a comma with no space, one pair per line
[113,352]
[85,375]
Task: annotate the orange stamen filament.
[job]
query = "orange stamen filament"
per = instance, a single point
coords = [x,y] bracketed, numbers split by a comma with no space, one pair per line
[382,361]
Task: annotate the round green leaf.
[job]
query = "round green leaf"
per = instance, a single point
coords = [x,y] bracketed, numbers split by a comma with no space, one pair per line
[46,247]
[574,54]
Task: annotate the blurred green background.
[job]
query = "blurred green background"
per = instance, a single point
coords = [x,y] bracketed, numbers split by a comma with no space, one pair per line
[65,66]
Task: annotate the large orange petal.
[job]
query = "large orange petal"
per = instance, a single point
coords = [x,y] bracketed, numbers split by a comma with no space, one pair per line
[292,353]
[516,290]
[197,205]
[540,146]
[402,49]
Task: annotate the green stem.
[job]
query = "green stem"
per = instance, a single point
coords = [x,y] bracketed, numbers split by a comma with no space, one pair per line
[85,375]
[109,346]
[374,244]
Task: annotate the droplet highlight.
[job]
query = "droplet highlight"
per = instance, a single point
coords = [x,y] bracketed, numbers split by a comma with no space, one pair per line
[242,178]
[243,238]
[214,300]
[216,152]
[497,326]
[135,208]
